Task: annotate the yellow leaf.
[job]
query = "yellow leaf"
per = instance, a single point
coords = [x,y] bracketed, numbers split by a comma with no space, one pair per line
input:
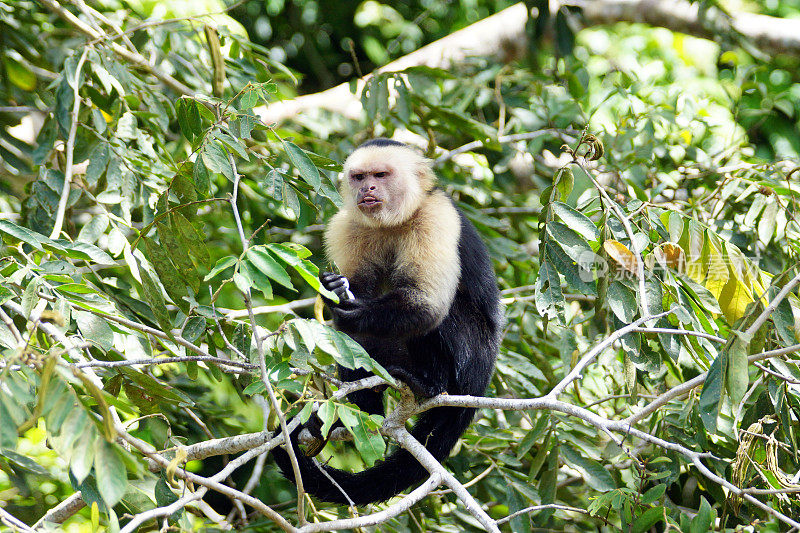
[717,270]
[621,255]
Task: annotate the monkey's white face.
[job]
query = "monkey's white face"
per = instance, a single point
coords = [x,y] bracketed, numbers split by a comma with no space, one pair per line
[372,187]
[383,184]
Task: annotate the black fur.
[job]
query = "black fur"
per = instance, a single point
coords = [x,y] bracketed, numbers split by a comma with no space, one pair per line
[382,141]
[456,356]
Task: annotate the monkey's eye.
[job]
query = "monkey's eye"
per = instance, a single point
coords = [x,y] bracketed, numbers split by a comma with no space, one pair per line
[381,174]
[357,177]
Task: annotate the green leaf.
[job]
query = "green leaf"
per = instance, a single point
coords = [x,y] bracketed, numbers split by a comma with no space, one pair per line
[191,238]
[5,294]
[303,164]
[172,241]
[23,234]
[766,226]
[260,258]
[96,226]
[97,164]
[127,126]
[712,391]
[233,144]
[622,302]
[167,273]
[532,436]
[565,183]
[783,318]
[250,97]
[368,441]
[736,378]
[156,388]
[153,296]
[189,117]
[521,523]
[82,457]
[201,177]
[579,276]
[94,329]
[216,159]
[257,279]
[90,252]
[165,496]
[222,264]
[653,494]
[576,221]
[25,463]
[112,478]
[573,244]
[704,520]
[19,74]
[548,296]
[327,413]
[8,428]
[648,519]
[194,328]
[595,475]
[547,484]
[350,354]
[183,187]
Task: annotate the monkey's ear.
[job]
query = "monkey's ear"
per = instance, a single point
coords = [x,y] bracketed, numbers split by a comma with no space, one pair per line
[426,176]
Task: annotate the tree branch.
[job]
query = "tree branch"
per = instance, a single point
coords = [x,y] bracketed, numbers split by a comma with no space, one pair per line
[62,511]
[492,35]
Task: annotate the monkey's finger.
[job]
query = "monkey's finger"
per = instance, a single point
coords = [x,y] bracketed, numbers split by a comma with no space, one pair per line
[335,283]
[324,276]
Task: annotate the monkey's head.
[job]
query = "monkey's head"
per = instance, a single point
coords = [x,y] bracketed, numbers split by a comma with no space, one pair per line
[384,181]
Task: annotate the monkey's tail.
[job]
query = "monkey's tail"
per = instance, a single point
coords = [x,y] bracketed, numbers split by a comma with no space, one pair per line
[438,429]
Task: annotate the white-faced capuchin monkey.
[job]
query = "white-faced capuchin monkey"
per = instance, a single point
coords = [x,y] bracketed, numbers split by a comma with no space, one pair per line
[418,292]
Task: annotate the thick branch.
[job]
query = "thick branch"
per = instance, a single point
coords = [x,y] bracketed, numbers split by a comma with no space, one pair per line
[494,34]
[771,34]
[62,511]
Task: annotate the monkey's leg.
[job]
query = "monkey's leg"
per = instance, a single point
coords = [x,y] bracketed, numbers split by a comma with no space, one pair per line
[368,400]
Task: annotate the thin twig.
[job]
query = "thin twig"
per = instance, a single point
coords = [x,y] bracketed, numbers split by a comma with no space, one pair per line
[594,352]
[214,482]
[273,400]
[135,58]
[684,388]
[534,508]
[673,331]
[69,149]
[769,309]
[505,139]
[288,307]
[13,522]
[167,510]
[787,379]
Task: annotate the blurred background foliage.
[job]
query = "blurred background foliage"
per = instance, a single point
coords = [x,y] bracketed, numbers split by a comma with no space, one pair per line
[152,172]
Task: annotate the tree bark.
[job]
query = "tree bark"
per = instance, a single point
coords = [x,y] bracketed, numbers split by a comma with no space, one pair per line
[504,31]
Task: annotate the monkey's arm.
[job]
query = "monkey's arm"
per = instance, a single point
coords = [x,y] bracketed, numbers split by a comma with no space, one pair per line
[402,312]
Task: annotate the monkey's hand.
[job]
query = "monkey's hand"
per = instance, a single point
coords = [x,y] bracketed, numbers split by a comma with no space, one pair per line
[339,285]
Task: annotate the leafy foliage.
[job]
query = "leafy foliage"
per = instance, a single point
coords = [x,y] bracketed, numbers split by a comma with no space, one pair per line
[631,173]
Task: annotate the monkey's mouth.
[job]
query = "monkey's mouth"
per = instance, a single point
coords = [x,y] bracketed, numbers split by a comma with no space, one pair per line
[369,202]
